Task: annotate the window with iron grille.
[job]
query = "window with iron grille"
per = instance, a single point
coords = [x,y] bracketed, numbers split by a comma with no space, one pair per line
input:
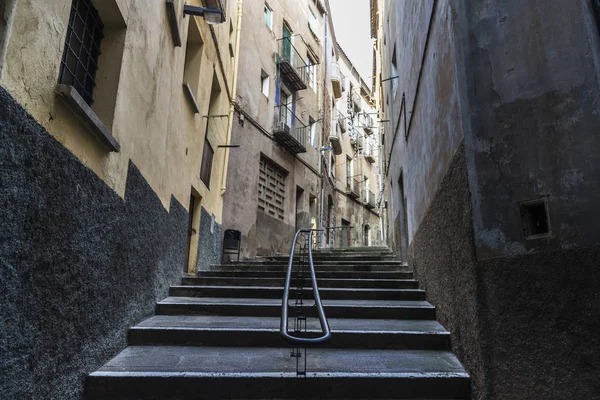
[207,161]
[271,189]
[82,49]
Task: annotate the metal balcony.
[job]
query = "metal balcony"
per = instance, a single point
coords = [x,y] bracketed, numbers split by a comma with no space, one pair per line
[353,188]
[370,153]
[356,105]
[369,199]
[294,70]
[289,131]
[336,80]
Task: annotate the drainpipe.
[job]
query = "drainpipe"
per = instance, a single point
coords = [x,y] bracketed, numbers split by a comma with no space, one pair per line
[236,58]
[7,14]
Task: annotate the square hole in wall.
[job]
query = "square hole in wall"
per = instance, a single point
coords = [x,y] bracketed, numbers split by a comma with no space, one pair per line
[535,219]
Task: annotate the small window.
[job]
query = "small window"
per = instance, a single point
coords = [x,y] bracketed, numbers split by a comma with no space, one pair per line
[193,58]
[311,69]
[82,49]
[231,38]
[313,133]
[535,219]
[313,23]
[268,16]
[207,161]
[264,83]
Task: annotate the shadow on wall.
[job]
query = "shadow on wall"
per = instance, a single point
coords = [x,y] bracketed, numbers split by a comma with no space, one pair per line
[78,264]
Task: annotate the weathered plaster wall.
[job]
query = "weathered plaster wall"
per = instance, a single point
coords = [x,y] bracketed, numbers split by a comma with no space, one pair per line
[7,8]
[152,120]
[263,235]
[436,131]
[524,327]
[531,85]
[79,264]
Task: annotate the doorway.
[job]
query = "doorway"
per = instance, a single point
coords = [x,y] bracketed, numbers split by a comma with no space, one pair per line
[402,226]
[193,227]
[367,236]
[300,224]
[345,239]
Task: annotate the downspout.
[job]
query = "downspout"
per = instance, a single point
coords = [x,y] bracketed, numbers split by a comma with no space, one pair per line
[321,153]
[7,14]
[238,34]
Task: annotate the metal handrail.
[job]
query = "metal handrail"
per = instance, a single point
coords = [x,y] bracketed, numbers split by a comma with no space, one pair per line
[283,330]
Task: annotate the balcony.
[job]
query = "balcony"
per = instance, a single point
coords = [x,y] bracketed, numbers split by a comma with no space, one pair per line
[356,105]
[289,131]
[219,4]
[336,141]
[336,80]
[370,153]
[353,188]
[294,70]
[341,120]
[356,138]
[367,123]
[369,199]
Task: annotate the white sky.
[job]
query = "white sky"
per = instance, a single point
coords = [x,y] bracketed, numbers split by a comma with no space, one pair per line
[352,23]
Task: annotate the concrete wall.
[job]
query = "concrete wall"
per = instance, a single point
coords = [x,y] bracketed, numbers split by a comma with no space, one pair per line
[504,114]
[93,238]
[152,120]
[436,129]
[263,235]
[79,264]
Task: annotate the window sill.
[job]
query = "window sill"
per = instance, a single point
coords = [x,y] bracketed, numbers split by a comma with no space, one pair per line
[87,116]
[190,96]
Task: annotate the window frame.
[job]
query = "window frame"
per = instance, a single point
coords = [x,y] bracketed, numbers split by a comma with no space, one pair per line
[268,16]
[91,50]
[208,154]
[265,83]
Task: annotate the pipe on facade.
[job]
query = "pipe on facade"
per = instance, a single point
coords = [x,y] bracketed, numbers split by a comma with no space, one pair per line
[7,13]
[232,100]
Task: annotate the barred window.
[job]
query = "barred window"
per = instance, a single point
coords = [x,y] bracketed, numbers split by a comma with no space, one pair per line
[271,189]
[82,49]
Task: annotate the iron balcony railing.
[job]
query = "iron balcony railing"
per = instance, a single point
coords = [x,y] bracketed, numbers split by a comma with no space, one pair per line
[289,130]
[369,152]
[292,65]
[369,199]
[353,187]
[301,265]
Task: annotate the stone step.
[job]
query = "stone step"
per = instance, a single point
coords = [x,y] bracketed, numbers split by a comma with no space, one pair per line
[179,330]
[277,292]
[323,282]
[176,372]
[344,257]
[320,274]
[262,307]
[347,267]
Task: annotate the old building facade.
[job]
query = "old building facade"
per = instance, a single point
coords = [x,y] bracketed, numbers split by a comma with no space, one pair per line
[356,173]
[111,120]
[490,111]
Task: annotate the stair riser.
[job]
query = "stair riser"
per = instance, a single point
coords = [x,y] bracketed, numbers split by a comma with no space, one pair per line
[278,282]
[249,310]
[271,338]
[318,268]
[320,275]
[191,387]
[350,258]
[333,294]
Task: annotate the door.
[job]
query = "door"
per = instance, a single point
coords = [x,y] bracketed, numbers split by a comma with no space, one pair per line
[345,239]
[402,223]
[286,49]
[190,233]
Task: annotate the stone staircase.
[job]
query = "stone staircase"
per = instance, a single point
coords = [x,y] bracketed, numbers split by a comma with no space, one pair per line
[217,336]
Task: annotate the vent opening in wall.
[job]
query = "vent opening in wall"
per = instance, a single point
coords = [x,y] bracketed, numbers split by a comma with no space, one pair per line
[535,219]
